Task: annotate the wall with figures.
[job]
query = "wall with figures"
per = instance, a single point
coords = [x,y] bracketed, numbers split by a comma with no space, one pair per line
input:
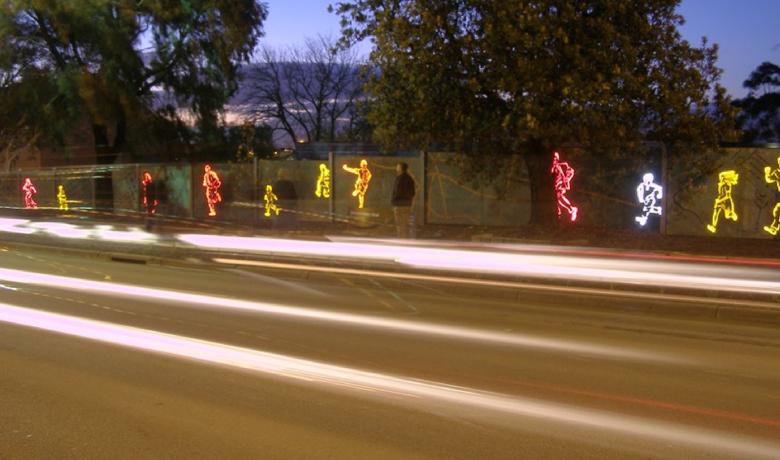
[741,198]
[738,200]
[377,207]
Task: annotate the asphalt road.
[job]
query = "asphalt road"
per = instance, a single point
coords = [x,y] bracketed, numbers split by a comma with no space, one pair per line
[260,365]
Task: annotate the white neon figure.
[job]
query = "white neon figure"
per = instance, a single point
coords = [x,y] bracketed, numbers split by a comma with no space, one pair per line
[649,194]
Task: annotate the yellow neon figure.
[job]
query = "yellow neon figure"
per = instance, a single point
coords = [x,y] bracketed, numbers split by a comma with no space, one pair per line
[62,198]
[724,202]
[270,202]
[773,175]
[361,183]
[323,182]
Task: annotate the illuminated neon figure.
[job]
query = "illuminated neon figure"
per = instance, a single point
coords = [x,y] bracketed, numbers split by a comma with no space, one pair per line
[62,198]
[724,203]
[361,183]
[211,185]
[270,202]
[649,193]
[29,191]
[150,206]
[773,176]
[563,175]
[323,182]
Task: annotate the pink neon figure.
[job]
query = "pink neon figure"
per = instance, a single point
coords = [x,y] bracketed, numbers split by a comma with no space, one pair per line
[563,175]
[211,184]
[29,191]
[147,189]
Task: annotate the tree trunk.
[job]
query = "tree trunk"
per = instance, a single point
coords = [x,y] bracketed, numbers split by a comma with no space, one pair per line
[543,206]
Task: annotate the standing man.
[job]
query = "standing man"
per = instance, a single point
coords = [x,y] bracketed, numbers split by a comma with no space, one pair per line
[403,199]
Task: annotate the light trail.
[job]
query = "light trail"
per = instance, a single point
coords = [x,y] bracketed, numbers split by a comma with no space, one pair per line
[71,231]
[412,392]
[554,266]
[647,296]
[397,325]
[501,260]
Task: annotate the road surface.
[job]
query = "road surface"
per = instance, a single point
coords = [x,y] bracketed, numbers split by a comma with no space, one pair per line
[102,359]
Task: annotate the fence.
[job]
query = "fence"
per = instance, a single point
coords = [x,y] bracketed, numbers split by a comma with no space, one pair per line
[442,197]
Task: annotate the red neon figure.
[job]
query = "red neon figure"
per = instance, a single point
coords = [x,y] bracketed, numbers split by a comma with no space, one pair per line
[211,184]
[149,193]
[29,191]
[562,182]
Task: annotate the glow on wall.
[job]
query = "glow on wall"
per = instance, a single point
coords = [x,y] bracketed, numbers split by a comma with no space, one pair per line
[150,205]
[323,182]
[361,183]
[649,195]
[562,177]
[62,198]
[724,203]
[270,202]
[773,176]
[29,192]
[211,185]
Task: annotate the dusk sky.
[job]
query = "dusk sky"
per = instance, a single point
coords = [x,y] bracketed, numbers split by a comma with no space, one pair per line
[746,30]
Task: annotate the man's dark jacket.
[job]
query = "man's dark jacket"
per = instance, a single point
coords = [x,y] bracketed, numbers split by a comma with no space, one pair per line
[403,190]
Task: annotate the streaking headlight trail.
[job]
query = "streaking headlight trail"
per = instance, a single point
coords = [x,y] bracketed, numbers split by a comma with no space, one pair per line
[560,267]
[415,393]
[447,331]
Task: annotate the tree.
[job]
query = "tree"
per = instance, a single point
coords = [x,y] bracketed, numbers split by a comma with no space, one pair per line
[309,93]
[109,58]
[529,77]
[760,116]
[250,141]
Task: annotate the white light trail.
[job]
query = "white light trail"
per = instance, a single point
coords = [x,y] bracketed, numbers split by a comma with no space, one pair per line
[560,267]
[397,325]
[71,231]
[411,392]
[487,283]
[15,226]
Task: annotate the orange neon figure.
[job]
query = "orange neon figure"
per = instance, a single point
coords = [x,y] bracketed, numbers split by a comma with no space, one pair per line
[270,202]
[773,175]
[323,182]
[563,175]
[62,198]
[29,191]
[211,184]
[724,203]
[150,205]
[648,193]
[361,183]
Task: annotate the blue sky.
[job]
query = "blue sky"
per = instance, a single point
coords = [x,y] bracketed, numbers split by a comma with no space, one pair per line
[746,30]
